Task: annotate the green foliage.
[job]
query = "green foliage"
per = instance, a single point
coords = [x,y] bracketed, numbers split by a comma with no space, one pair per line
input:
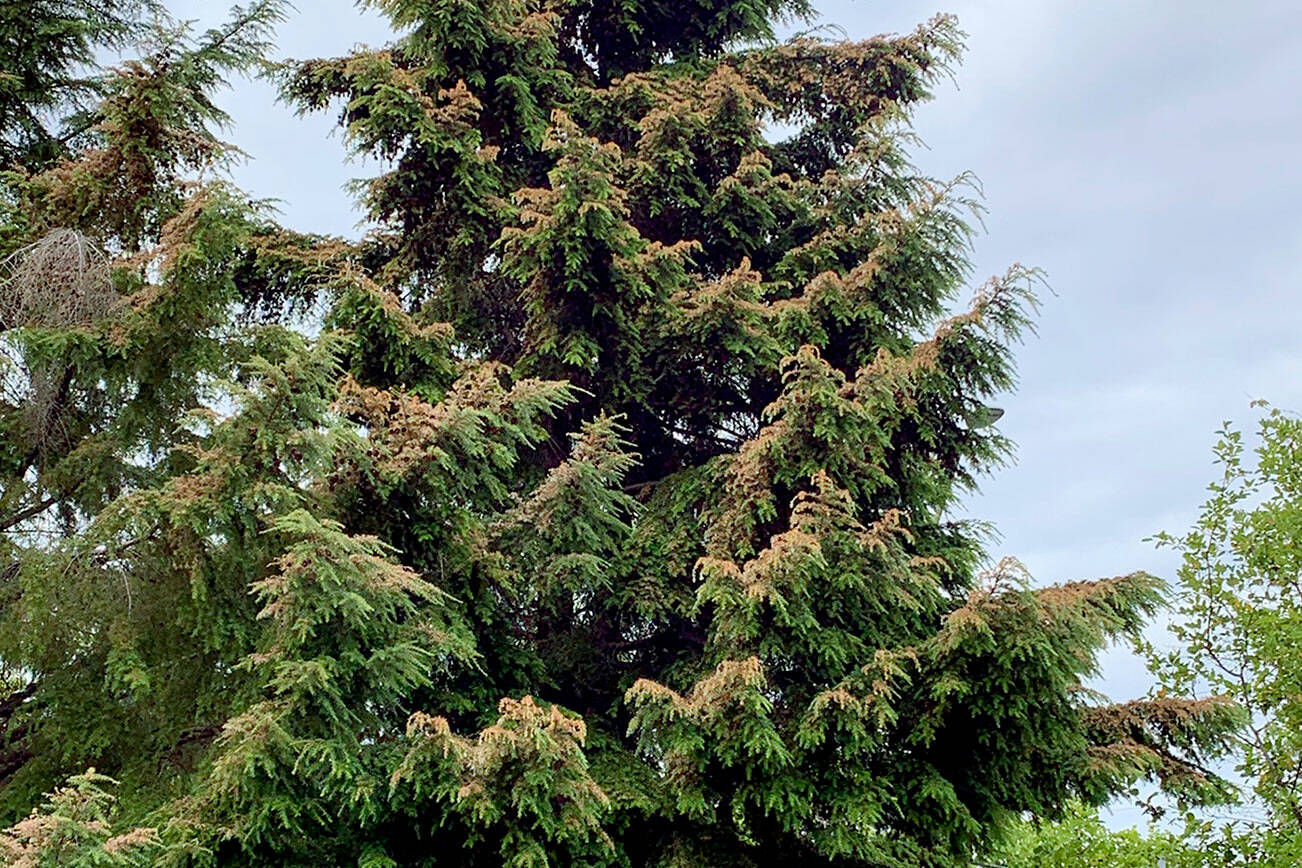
[521,784]
[1238,623]
[47,54]
[594,509]
[1081,840]
[72,828]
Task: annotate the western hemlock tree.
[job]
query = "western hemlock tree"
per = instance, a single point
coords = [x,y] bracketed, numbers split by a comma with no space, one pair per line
[47,63]
[74,828]
[591,510]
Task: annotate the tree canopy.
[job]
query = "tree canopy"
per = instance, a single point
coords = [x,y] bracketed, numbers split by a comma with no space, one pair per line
[1236,627]
[594,508]
[1080,839]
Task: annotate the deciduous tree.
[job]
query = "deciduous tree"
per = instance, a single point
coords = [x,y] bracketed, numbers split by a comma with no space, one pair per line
[1237,625]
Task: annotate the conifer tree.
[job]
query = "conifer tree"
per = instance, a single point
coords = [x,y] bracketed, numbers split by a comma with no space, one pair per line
[593,509]
[47,63]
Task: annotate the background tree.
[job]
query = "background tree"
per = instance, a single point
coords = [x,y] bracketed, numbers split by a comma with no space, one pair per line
[48,69]
[593,509]
[122,275]
[1238,623]
[1080,839]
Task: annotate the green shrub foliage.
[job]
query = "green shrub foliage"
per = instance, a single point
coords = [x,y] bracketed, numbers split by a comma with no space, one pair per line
[593,509]
[1081,840]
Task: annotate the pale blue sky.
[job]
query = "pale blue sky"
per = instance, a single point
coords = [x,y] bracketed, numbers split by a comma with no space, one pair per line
[1143,154]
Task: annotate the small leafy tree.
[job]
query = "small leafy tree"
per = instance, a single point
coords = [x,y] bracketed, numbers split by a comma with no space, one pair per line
[1080,839]
[1237,625]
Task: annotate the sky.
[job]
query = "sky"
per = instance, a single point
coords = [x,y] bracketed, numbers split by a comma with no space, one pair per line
[1144,155]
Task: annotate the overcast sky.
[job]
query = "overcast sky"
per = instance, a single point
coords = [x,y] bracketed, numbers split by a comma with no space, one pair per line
[1145,155]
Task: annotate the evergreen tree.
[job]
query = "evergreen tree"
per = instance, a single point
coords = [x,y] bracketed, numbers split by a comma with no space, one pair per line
[47,55]
[592,510]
